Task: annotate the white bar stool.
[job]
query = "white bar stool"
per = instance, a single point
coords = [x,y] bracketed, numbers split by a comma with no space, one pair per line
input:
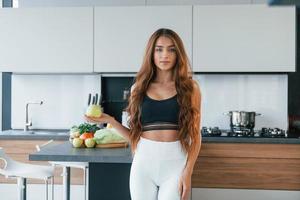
[22,171]
[66,165]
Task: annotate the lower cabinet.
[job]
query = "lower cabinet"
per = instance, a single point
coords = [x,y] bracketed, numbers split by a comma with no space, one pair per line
[20,150]
[238,194]
[248,166]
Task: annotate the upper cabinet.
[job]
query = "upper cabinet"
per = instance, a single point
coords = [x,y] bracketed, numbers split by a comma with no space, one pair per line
[121,33]
[196,2]
[244,38]
[46,40]
[217,38]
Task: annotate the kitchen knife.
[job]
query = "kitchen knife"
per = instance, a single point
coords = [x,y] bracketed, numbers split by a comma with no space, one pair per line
[93,100]
[96,99]
[89,99]
[100,99]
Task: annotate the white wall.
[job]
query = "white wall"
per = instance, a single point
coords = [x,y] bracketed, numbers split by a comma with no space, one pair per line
[65,99]
[265,94]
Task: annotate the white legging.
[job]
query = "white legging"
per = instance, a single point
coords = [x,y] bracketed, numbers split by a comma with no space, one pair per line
[156,169]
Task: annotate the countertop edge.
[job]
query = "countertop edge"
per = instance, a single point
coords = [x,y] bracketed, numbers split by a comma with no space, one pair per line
[251,140]
[64,158]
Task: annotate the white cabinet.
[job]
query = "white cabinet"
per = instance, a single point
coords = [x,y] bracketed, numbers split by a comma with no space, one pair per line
[46,40]
[196,2]
[43,3]
[244,38]
[121,33]
[260,1]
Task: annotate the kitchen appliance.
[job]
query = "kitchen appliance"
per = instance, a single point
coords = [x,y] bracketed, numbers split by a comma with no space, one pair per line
[283,2]
[264,132]
[125,115]
[240,120]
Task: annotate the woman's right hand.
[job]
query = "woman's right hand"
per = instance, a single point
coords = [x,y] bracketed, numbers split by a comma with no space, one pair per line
[104,118]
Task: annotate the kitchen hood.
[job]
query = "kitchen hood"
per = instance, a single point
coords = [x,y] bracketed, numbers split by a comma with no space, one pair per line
[283,2]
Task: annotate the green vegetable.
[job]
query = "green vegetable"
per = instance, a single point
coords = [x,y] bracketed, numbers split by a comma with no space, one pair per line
[106,135]
[74,129]
[86,127]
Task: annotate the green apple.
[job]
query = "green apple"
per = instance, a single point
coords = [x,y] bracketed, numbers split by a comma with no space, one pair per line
[89,142]
[77,142]
[94,111]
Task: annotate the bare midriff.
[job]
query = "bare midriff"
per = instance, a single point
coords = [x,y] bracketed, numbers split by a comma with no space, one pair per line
[161,135]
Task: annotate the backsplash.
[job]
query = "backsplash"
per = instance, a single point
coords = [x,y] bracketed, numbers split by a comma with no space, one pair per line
[65,99]
[265,94]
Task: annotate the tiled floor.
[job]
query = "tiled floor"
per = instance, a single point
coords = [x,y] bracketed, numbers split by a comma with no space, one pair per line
[37,192]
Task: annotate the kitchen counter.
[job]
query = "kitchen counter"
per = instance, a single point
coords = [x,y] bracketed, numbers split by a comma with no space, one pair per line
[108,169]
[65,152]
[38,134]
[255,140]
[64,135]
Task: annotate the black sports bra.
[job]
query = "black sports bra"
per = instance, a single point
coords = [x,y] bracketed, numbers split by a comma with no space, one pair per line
[159,114]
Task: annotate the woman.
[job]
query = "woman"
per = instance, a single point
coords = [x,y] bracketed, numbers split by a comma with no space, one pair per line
[164,110]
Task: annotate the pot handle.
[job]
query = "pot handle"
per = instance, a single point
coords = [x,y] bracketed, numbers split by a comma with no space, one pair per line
[227,113]
[256,114]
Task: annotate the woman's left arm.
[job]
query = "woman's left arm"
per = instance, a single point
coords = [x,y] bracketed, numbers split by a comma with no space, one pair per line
[186,177]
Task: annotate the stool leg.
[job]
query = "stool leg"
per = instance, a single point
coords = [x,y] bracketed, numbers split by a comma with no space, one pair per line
[66,183]
[87,182]
[46,183]
[25,188]
[84,182]
[52,183]
[22,188]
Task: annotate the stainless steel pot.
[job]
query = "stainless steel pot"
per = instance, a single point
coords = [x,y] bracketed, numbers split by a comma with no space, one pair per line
[242,119]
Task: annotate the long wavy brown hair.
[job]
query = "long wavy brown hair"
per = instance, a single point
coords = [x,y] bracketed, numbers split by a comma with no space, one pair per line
[188,114]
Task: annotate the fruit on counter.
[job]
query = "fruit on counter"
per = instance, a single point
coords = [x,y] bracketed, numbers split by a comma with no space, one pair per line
[74,132]
[77,142]
[86,135]
[94,111]
[89,142]
[83,131]
[109,126]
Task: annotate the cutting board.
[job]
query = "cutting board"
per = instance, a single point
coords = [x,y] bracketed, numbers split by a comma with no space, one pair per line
[113,145]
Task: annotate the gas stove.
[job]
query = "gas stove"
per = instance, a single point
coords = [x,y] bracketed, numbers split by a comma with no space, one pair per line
[264,132]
